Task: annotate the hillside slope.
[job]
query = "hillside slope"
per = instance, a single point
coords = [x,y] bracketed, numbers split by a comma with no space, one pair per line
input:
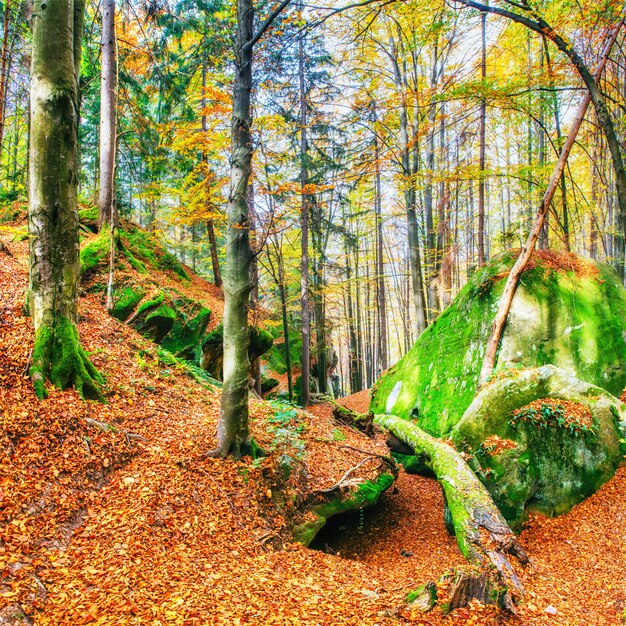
[137,527]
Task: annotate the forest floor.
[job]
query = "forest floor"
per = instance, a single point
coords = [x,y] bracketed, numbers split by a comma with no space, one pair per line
[99,529]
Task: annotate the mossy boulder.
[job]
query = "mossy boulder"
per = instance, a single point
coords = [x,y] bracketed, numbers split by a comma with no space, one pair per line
[185,336]
[573,318]
[212,357]
[127,297]
[542,440]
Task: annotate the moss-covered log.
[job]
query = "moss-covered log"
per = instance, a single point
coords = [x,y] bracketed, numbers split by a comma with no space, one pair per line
[362,422]
[482,533]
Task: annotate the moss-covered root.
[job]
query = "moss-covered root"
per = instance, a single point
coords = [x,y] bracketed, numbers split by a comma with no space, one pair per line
[482,533]
[58,356]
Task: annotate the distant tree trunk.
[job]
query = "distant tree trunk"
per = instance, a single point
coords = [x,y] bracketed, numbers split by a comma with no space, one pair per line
[381,297]
[283,310]
[233,432]
[410,198]
[210,226]
[3,68]
[108,106]
[52,205]
[482,258]
[304,227]
[254,281]
[533,21]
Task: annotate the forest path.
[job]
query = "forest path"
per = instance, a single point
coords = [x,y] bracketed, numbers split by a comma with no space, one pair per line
[579,558]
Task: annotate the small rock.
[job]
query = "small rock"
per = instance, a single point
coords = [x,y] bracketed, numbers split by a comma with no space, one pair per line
[405,553]
[550,610]
[372,595]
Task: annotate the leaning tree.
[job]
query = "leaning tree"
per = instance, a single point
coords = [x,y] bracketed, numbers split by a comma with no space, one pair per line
[52,201]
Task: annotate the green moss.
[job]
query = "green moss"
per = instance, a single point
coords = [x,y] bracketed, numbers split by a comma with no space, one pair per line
[576,323]
[366,494]
[95,252]
[187,331]
[126,300]
[143,247]
[149,304]
[192,370]
[88,214]
[58,355]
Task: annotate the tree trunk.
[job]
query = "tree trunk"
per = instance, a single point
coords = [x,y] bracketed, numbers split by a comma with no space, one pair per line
[410,198]
[108,106]
[482,258]
[254,281]
[304,227]
[483,535]
[52,203]
[510,287]
[233,431]
[210,227]
[3,69]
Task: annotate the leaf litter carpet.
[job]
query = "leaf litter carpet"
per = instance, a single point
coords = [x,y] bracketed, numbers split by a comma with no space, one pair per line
[96,528]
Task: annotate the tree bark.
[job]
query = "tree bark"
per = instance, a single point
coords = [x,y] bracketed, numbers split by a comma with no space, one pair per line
[483,535]
[510,287]
[482,258]
[233,433]
[3,68]
[108,107]
[304,227]
[52,205]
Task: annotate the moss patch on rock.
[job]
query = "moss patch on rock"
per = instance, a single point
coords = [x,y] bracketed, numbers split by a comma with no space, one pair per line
[184,338]
[532,455]
[127,297]
[574,320]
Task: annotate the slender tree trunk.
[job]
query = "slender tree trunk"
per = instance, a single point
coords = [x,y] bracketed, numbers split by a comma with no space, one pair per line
[482,258]
[3,69]
[304,227]
[283,309]
[381,296]
[233,432]
[254,281]
[210,227]
[52,205]
[108,106]
[410,198]
[510,287]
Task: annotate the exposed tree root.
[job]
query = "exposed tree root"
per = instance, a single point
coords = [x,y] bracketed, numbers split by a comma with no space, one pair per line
[58,356]
[482,533]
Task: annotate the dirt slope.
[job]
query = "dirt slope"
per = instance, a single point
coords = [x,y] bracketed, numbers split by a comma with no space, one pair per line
[95,529]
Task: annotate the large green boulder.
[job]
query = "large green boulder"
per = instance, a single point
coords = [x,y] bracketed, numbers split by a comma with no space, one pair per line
[542,440]
[567,312]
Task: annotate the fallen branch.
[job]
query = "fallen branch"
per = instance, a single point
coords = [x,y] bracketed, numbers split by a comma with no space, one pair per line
[482,533]
[342,481]
[105,427]
[506,300]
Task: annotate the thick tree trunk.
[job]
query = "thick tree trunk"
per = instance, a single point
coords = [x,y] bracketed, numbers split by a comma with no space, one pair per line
[53,210]
[108,107]
[483,535]
[506,299]
[233,432]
